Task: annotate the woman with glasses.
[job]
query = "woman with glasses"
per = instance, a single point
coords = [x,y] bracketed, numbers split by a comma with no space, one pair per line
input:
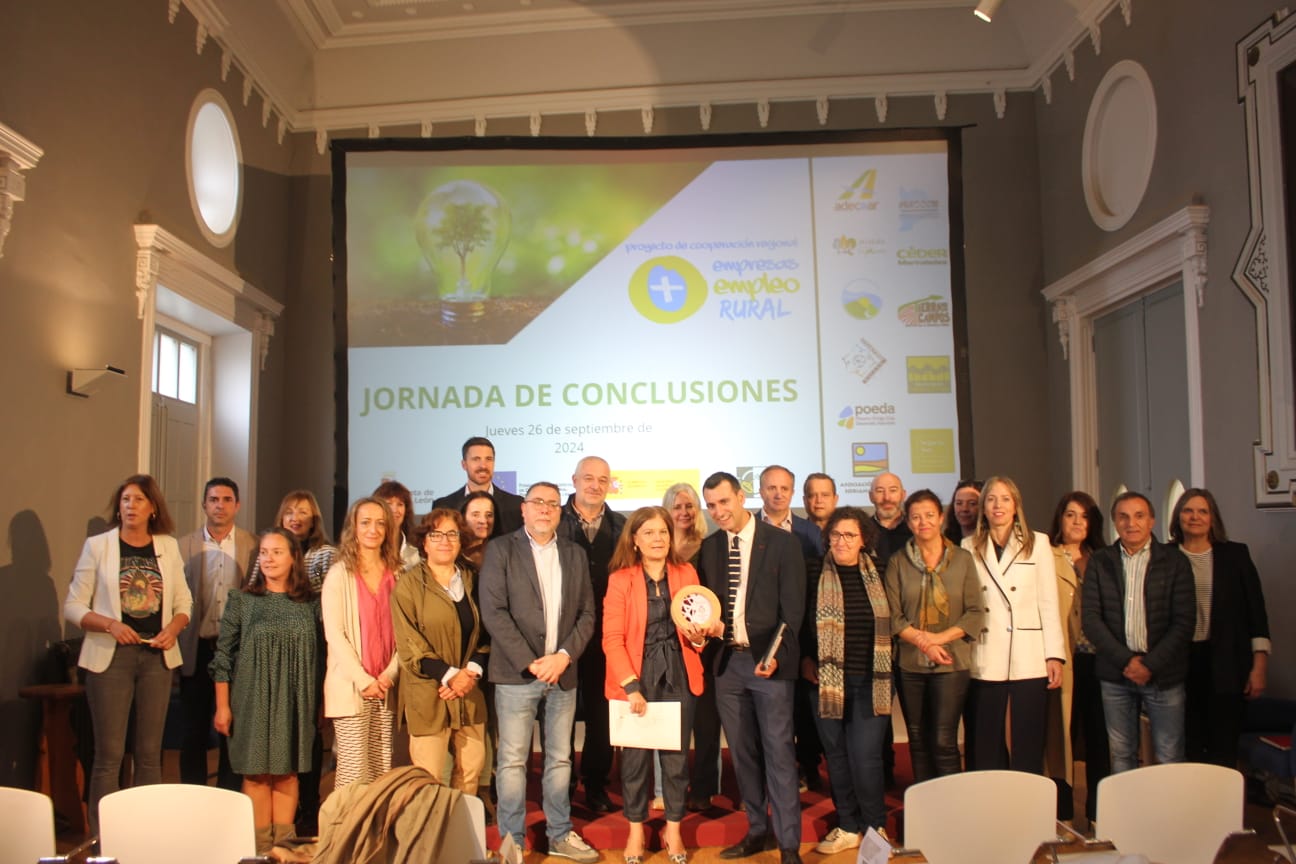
[847,655]
[442,648]
[652,659]
[362,665]
[1019,653]
[935,599]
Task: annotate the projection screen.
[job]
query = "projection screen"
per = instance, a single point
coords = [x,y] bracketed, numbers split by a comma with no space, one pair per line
[676,310]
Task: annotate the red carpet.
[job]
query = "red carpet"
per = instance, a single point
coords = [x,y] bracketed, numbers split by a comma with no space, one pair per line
[722,825]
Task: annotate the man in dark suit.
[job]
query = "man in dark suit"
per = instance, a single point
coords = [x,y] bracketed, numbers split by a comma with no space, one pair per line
[478,463]
[758,573]
[1138,610]
[537,606]
[777,485]
[588,522]
[216,559]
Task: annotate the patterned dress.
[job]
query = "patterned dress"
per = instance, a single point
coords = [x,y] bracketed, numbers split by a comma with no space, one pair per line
[271,651]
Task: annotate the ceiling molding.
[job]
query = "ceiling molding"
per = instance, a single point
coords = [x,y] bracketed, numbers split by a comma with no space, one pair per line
[318,20]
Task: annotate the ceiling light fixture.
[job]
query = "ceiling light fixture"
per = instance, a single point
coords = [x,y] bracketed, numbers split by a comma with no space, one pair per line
[986,9]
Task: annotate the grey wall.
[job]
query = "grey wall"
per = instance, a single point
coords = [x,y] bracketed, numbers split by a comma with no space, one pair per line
[1188,50]
[105,89]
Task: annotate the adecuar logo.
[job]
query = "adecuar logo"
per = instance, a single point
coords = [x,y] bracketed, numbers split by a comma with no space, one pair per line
[858,195]
[668,289]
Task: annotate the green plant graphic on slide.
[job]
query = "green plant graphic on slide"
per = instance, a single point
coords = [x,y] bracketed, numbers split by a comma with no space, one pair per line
[471,255]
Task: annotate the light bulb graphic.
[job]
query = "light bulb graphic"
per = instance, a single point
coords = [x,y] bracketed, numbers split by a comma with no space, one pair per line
[462,228]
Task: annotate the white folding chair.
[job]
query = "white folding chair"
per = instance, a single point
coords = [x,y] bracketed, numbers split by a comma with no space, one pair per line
[170,822]
[466,838]
[999,816]
[26,826]
[1174,814]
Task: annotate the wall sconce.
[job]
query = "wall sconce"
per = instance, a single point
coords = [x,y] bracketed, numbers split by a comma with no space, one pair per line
[83,382]
[986,9]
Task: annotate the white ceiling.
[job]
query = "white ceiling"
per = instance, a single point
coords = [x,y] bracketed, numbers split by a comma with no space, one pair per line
[329,65]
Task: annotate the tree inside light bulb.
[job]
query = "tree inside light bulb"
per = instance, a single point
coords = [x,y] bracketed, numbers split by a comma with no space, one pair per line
[463,227]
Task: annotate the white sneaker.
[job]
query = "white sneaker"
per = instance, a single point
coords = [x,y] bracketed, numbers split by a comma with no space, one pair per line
[572,845]
[838,841]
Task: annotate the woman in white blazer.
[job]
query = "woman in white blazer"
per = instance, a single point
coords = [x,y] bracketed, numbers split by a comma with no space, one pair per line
[362,667]
[129,596]
[1019,653]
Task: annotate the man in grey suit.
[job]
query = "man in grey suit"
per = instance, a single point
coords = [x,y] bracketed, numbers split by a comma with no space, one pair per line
[216,560]
[537,604]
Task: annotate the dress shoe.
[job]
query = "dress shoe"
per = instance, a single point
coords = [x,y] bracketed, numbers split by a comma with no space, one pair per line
[598,801]
[749,845]
[697,803]
[789,856]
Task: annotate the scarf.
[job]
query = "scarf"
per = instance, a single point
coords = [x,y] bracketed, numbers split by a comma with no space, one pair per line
[933,608]
[830,623]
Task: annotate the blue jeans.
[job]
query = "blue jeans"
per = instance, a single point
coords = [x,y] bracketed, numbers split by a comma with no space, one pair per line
[516,706]
[1122,701]
[852,747]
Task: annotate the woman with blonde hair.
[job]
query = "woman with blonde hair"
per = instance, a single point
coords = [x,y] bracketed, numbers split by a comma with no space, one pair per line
[1019,654]
[362,666]
[685,508]
[299,513]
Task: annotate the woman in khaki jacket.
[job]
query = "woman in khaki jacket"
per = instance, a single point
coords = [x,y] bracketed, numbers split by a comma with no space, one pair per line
[442,649]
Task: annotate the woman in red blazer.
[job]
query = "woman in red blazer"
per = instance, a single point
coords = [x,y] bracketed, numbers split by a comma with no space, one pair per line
[649,659]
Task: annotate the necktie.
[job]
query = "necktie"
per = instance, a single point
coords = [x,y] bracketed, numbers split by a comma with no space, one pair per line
[735,577]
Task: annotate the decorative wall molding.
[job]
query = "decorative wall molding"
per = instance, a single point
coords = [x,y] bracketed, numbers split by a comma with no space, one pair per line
[1173,249]
[319,24]
[1262,268]
[17,155]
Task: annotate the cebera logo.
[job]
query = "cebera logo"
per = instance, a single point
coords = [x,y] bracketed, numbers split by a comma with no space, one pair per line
[668,289]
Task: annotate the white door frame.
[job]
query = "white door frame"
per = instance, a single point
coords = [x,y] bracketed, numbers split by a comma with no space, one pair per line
[1173,249]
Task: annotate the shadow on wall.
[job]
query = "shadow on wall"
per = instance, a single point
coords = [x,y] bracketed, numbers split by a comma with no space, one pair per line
[29,625]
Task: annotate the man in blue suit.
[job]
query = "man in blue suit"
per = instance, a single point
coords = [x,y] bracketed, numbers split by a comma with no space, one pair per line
[758,573]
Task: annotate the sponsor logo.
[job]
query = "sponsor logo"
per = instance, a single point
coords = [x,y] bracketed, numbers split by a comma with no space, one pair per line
[917,206]
[847,245]
[933,311]
[926,374]
[749,477]
[667,289]
[863,360]
[878,414]
[915,256]
[859,194]
[860,299]
[869,459]
[931,451]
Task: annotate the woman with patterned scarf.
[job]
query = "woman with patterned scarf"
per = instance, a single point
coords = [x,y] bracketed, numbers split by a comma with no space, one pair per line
[848,655]
[935,599]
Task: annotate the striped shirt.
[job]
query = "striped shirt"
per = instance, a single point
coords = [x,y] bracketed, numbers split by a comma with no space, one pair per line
[1136,565]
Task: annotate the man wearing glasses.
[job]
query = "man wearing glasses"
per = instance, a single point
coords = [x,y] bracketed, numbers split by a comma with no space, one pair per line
[538,606]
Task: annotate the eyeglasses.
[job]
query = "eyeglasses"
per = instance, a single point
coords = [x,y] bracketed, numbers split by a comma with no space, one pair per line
[541,504]
[438,536]
[843,537]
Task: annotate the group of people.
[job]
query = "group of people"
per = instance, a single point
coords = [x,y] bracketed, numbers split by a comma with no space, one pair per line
[494,611]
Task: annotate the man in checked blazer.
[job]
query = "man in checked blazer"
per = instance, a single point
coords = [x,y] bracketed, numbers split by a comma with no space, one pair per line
[538,605]
[755,701]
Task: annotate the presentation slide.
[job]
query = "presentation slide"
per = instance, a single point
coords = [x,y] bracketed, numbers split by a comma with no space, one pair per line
[675,312]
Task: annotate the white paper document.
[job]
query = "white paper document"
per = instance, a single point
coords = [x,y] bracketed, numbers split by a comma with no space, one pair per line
[874,849]
[657,729]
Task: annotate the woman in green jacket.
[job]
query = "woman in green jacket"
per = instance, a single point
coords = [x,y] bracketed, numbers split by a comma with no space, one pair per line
[442,648]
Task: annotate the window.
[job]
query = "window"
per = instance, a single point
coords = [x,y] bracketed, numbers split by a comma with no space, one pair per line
[213,163]
[175,367]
